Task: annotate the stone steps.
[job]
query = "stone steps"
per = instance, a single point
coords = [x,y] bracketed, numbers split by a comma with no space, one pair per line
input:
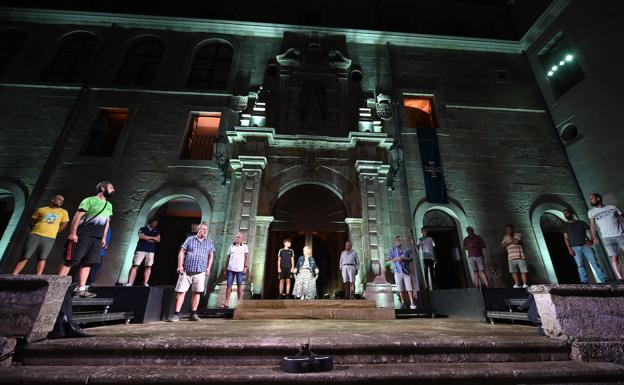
[259,350]
[568,372]
[314,309]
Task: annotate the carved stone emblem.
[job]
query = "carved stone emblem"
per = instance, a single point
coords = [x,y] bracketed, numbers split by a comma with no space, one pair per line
[384,107]
[238,103]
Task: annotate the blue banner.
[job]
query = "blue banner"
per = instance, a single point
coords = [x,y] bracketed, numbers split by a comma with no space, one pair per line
[432,167]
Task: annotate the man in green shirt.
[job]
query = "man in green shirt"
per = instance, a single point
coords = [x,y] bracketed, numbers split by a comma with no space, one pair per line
[87,235]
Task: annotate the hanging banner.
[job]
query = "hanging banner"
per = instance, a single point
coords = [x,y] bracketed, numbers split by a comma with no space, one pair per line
[432,167]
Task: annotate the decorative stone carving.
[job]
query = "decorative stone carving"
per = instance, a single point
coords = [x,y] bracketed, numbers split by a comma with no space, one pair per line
[384,107]
[239,103]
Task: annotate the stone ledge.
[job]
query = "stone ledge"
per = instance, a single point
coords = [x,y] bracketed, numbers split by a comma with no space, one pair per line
[580,290]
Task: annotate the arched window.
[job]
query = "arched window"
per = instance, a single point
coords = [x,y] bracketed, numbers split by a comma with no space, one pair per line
[11,42]
[71,62]
[211,67]
[141,63]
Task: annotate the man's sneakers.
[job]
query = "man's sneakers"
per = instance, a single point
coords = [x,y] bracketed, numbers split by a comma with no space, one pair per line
[174,318]
[525,286]
[516,286]
[85,294]
[194,317]
[413,306]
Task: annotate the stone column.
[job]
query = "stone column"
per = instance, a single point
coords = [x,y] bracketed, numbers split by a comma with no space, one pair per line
[355,236]
[258,253]
[248,171]
[372,179]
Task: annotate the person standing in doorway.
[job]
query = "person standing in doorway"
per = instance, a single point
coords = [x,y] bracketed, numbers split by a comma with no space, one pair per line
[194,263]
[512,241]
[87,235]
[400,259]
[579,246]
[349,264]
[236,263]
[608,219]
[285,267]
[146,248]
[474,245]
[307,274]
[426,245]
[47,222]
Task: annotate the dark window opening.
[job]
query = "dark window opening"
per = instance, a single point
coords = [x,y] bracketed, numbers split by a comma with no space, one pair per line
[141,63]
[201,134]
[105,132]
[11,43]
[7,206]
[211,67]
[560,65]
[72,60]
[419,112]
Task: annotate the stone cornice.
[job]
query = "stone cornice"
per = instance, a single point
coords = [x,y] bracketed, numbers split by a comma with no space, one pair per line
[358,36]
[371,168]
[241,134]
[551,13]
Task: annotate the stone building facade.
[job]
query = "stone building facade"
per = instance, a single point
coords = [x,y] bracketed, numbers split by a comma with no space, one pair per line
[303,123]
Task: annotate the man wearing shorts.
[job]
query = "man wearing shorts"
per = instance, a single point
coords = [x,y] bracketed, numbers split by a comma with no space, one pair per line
[145,249]
[516,259]
[610,221]
[87,235]
[349,263]
[399,259]
[237,262]
[194,262]
[474,245]
[46,223]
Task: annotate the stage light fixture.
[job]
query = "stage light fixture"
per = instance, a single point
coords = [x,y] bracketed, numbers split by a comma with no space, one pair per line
[569,57]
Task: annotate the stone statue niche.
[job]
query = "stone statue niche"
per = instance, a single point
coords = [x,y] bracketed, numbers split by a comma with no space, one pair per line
[313,87]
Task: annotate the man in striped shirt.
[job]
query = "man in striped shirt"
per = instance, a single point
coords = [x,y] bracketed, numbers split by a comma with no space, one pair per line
[512,241]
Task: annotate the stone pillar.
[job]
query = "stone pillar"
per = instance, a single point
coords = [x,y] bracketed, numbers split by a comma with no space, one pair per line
[355,236]
[372,179]
[258,253]
[248,172]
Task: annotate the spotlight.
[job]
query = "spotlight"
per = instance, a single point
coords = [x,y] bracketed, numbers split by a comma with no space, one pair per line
[550,73]
[554,68]
[569,57]
[561,63]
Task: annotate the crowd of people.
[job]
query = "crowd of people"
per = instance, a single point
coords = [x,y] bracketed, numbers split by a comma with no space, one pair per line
[89,235]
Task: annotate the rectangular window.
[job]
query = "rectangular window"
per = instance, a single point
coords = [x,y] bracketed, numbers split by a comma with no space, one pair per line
[419,112]
[201,134]
[560,65]
[105,131]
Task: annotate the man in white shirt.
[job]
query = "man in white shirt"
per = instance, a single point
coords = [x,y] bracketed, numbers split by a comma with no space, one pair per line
[236,267]
[349,263]
[610,221]
[425,245]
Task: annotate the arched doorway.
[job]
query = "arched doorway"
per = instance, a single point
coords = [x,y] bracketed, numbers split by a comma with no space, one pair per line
[12,204]
[175,218]
[7,207]
[563,263]
[310,215]
[450,272]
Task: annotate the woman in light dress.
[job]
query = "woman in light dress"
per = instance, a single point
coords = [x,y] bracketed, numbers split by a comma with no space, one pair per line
[307,272]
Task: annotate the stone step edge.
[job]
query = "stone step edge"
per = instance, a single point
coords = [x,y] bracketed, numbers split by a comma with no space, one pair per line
[455,373]
[336,314]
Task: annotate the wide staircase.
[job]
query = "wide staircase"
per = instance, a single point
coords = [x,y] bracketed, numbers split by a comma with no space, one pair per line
[219,351]
[316,309]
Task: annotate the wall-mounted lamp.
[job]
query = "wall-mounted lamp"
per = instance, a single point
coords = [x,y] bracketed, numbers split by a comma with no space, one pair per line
[223,161]
[395,153]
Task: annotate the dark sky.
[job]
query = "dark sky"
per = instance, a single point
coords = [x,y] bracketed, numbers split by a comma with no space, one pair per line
[497,19]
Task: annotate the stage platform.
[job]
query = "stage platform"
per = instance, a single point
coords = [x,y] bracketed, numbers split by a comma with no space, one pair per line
[220,351]
[312,309]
